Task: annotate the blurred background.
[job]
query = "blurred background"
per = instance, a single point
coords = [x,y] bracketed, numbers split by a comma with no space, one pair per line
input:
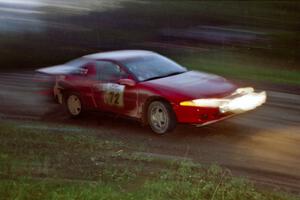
[256,41]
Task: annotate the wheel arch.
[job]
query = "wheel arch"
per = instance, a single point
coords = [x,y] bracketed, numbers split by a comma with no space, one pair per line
[67,89]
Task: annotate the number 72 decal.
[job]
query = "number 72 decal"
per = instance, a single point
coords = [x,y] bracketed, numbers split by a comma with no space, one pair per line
[113,94]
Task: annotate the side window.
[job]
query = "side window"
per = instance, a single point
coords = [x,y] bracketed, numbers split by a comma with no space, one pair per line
[108,71]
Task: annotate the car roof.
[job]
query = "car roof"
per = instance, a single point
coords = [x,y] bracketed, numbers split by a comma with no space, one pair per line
[120,55]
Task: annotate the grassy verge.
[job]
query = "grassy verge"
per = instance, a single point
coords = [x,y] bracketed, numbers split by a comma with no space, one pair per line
[38,163]
[241,66]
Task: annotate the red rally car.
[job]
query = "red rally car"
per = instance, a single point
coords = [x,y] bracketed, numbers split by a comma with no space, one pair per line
[149,87]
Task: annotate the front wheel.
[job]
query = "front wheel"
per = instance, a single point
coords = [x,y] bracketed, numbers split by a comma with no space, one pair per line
[161,117]
[74,105]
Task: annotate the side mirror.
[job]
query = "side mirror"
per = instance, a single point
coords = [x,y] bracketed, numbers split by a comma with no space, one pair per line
[127,81]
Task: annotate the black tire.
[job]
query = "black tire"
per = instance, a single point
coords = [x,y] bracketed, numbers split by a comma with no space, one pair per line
[73,104]
[161,117]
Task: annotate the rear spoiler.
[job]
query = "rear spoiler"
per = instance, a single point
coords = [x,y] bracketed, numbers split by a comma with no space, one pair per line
[58,70]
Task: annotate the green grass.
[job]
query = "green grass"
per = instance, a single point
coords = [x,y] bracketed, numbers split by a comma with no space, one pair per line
[239,66]
[40,163]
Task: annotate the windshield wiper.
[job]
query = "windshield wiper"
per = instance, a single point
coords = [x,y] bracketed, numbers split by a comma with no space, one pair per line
[163,76]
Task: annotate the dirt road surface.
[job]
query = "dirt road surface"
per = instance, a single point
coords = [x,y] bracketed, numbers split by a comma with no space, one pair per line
[263,145]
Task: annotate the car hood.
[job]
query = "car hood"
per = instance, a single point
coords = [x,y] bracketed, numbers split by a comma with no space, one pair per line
[192,85]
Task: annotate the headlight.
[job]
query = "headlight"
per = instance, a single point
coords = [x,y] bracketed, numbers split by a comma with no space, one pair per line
[214,103]
[244,90]
[244,103]
[241,100]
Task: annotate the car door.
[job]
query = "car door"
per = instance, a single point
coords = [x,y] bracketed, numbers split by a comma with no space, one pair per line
[111,96]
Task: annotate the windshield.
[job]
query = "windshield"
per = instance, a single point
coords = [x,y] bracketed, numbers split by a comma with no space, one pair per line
[152,67]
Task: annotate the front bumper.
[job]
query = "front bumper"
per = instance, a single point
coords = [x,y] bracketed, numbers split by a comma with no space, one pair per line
[231,105]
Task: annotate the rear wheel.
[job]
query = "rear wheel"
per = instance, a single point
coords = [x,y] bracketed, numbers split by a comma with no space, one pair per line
[74,105]
[161,117]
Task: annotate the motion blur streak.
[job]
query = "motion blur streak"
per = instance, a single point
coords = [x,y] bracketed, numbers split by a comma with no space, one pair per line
[23,2]
[23,11]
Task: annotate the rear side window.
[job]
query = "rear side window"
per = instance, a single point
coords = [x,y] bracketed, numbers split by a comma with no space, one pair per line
[108,71]
[89,70]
